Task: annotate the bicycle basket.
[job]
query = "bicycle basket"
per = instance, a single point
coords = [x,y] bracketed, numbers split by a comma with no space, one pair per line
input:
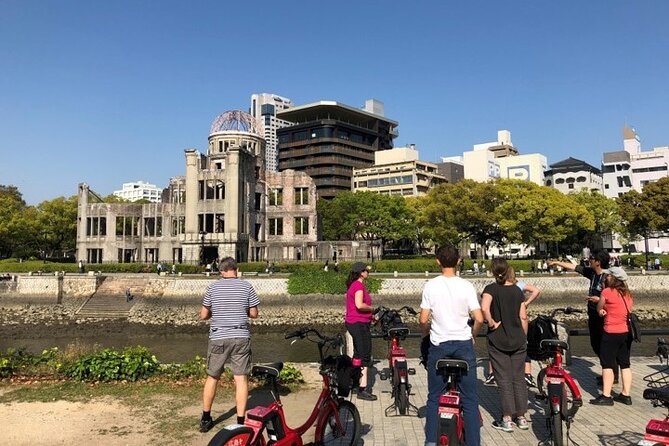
[345,376]
[658,379]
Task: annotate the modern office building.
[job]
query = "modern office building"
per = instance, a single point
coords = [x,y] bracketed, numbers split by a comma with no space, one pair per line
[631,168]
[500,159]
[265,106]
[398,171]
[527,167]
[139,190]
[573,175]
[328,139]
[452,169]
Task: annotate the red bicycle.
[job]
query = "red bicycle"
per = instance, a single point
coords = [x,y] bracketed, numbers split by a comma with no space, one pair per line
[657,430]
[337,420]
[451,431]
[557,387]
[394,331]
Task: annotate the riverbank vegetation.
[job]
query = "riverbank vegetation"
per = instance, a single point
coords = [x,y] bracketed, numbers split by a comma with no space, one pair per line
[131,364]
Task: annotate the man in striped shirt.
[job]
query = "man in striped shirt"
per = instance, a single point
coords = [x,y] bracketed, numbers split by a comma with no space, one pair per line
[228,302]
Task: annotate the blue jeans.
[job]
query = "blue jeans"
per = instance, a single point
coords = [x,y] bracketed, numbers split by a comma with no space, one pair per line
[468,395]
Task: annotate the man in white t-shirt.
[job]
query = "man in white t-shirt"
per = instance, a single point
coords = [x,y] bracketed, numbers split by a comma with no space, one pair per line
[451,300]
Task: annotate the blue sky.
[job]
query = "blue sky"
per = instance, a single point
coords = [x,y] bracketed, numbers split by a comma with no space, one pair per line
[111,92]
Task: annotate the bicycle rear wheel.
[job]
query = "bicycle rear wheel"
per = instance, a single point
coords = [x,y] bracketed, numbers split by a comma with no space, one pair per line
[402,398]
[238,436]
[448,432]
[344,433]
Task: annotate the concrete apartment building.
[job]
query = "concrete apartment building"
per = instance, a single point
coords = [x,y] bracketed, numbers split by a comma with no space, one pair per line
[265,106]
[139,190]
[328,139]
[398,171]
[574,175]
[631,168]
[217,209]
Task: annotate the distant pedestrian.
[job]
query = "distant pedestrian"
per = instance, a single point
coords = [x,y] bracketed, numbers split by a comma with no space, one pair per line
[545,267]
[159,268]
[81,266]
[326,266]
[128,295]
[533,266]
[475,267]
[174,268]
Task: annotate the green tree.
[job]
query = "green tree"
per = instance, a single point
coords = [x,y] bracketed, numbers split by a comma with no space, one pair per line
[529,213]
[58,225]
[12,207]
[605,213]
[638,216]
[466,210]
[656,195]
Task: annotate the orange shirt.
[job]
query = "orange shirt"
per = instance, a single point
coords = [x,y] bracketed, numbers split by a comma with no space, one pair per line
[615,320]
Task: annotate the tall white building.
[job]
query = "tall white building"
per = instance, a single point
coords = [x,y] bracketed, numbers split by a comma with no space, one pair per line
[631,168]
[500,159]
[139,190]
[264,107]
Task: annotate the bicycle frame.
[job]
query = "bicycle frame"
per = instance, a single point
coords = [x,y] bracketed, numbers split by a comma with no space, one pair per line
[556,378]
[272,419]
[397,359]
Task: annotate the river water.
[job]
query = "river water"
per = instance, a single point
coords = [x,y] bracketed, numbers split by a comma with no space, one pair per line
[268,345]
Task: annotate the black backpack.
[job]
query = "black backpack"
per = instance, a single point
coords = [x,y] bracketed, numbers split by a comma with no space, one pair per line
[543,327]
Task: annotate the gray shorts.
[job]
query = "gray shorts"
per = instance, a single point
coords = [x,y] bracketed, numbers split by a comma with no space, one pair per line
[235,351]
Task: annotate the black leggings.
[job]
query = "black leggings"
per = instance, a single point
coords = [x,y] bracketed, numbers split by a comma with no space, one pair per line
[362,342]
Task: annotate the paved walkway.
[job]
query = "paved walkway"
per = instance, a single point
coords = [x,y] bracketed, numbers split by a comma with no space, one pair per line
[594,425]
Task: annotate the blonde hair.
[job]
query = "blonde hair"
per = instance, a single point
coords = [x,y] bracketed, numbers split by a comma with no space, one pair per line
[511,275]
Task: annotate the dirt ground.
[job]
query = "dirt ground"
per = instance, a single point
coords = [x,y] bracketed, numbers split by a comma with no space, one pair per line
[109,422]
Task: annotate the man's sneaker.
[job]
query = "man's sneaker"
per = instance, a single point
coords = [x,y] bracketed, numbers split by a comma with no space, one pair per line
[529,380]
[366,396]
[503,425]
[602,400]
[490,380]
[624,399]
[206,424]
[522,423]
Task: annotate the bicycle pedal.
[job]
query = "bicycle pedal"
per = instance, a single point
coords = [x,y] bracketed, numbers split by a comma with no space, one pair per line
[411,371]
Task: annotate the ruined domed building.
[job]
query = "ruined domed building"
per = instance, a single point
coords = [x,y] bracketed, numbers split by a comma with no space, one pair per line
[218,209]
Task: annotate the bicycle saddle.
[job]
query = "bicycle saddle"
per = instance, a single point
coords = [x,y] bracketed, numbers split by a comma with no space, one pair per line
[553,343]
[268,370]
[443,364]
[399,331]
[657,394]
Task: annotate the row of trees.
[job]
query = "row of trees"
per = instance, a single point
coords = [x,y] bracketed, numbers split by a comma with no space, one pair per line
[500,212]
[46,230]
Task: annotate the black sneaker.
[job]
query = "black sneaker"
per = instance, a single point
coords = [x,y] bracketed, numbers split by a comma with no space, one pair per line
[624,399]
[206,424]
[366,396]
[602,400]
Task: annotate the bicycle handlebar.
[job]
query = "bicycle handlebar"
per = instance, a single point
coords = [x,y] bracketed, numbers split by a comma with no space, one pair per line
[567,310]
[336,340]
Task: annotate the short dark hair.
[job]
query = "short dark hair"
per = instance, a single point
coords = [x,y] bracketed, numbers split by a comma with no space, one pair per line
[228,264]
[602,257]
[448,256]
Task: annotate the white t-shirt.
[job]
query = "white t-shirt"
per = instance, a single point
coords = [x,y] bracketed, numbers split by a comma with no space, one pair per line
[450,299]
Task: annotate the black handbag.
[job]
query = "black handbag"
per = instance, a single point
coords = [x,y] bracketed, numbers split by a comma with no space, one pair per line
[633,324]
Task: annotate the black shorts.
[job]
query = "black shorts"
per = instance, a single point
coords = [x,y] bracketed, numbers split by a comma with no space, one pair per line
[615,350]
[362,342]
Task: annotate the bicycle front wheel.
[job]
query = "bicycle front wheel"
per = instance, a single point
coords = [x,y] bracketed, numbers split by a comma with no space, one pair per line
[238,436]
[556,430]
[340,427]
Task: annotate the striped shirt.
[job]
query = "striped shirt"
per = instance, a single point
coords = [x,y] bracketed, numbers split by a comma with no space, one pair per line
[229,301]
